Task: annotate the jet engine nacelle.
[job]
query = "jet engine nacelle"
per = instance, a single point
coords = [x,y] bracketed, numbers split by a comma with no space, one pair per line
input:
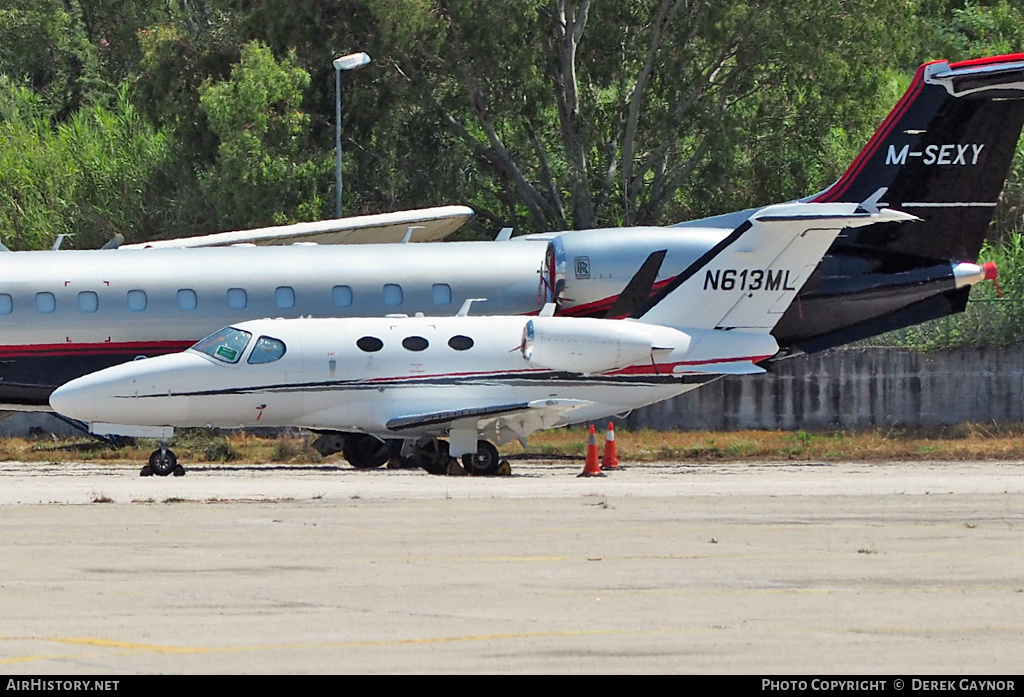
[584,270]
[581,345]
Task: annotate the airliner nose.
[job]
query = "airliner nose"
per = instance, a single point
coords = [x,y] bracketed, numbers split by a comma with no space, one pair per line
[76,399]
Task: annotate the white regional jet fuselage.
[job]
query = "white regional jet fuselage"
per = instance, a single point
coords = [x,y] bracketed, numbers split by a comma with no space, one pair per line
[360,375]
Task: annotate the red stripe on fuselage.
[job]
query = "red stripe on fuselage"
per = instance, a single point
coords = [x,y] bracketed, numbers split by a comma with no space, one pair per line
[645,369]
[75,349]
[602,306]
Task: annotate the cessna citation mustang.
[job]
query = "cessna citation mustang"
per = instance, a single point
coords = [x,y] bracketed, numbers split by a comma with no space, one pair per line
[941,155]
[481,379]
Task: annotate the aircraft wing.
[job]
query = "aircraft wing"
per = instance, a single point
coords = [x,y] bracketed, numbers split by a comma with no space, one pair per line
[422,225]
[517,419]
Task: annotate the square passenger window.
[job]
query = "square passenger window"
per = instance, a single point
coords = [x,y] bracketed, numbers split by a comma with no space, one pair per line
[187,299]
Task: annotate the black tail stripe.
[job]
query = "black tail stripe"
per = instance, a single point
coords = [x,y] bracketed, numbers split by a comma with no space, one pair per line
[693,268]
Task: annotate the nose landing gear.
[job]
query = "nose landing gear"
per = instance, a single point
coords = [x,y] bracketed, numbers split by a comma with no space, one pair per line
[162,463]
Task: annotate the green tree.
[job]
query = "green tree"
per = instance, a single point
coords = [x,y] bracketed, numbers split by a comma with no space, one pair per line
[264,170]
[92,176]
[43,43]
[609,113]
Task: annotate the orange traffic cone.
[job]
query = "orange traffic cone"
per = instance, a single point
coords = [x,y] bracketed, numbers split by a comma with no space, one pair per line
[610,458]
[593,467]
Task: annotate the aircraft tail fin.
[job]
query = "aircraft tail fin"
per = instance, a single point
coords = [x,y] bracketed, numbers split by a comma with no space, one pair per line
[748,280]
[942,155]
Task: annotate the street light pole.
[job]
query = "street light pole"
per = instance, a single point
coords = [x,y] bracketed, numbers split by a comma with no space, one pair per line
[349,62]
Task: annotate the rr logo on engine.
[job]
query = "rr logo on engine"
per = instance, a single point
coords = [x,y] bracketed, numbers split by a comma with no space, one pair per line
[582,267]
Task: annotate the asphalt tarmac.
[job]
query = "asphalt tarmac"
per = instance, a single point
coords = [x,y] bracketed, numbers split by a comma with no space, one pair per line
[878,569]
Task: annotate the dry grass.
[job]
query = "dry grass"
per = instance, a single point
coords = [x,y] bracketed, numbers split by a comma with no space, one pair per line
[967,442]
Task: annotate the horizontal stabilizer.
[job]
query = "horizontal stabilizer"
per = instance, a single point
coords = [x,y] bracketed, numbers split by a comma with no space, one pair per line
[638,290]
[748,280]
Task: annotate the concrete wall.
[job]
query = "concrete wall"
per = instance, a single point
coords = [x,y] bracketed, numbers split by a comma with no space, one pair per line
[852,388]
[25,423]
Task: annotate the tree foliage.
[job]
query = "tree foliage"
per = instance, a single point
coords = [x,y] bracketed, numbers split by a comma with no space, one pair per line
[605,113]
[543,114]
[263,169]
[92,176]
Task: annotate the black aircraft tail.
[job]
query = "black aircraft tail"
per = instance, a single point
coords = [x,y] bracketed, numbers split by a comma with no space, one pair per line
[942,155]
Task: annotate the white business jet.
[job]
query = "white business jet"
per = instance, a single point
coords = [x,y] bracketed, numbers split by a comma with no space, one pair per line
[480,381]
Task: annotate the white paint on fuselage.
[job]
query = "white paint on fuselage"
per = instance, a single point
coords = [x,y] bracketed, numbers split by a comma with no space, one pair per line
[324,381]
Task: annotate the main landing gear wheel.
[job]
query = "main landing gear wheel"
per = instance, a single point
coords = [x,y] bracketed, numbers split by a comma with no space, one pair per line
[163,463]
[485,462]
[433,457]
[329,443]
[365,452]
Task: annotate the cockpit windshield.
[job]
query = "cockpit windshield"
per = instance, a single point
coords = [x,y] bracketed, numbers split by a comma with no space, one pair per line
[266,350]
[226,345]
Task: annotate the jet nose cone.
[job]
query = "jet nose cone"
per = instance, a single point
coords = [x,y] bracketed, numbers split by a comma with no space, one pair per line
[76,399]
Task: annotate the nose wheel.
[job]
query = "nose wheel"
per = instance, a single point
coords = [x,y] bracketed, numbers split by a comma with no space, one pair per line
[163,463]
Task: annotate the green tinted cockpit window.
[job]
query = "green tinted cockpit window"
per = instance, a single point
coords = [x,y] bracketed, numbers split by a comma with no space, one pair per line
[226,345]
[266,350]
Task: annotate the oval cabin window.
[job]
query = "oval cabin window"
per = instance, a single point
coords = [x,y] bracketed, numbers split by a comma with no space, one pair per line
[342,296]
[370,344]
[284,297]
[392,294]
[237,299]
[441,293]
[460,342]
[415,343]
[136,300]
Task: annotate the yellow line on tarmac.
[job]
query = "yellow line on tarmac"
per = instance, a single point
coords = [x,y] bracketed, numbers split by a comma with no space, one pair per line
[114,644]
[29,659]
[158,648]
